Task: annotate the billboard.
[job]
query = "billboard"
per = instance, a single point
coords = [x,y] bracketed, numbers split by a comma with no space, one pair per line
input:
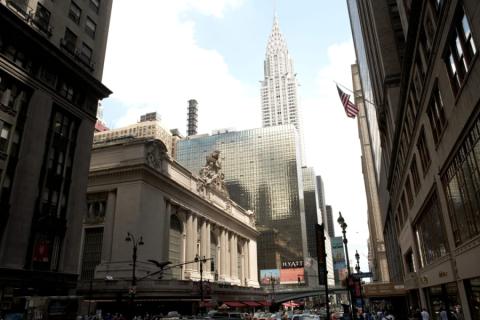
[266,275]
[292,276]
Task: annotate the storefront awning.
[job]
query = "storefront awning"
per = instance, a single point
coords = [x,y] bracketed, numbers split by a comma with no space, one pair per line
[234,304]
[265,303]
[252,303]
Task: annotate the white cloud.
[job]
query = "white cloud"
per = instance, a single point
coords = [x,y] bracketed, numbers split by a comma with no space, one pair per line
[333,146]
[153,63]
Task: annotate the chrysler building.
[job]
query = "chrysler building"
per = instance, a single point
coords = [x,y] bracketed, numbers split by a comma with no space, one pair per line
[279,87]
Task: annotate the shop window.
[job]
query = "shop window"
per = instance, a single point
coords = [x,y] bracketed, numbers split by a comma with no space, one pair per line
[473,293]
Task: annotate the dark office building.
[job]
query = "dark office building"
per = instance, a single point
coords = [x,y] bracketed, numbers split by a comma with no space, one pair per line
[262,173]
[420,58]
[51,62]
[331,229]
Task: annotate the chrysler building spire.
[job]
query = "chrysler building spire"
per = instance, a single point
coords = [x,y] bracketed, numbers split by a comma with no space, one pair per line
[279,87]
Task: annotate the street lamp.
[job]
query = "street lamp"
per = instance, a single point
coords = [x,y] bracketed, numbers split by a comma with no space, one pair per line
[357,257]
[135,243]
[343,225]
[202,261]
[357,268]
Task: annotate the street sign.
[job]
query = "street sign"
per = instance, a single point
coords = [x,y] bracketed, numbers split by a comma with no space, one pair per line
[362,275]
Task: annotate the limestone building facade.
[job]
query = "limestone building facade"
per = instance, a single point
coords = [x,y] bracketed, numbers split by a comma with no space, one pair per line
[136,187]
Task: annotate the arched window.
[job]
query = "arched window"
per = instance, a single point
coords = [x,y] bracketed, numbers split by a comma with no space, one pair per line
[175,245]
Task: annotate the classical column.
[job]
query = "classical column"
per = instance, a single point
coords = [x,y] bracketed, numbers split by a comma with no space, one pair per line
[208,248]
[233,257]
[252,253]
[223,254]
[109,227]
[195,241]
[246,261]
[190,243]
[166,231]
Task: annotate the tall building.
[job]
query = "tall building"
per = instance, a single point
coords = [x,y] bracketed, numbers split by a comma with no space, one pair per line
[421,59]
[331,228]
[377,256]
[262,173]
[278,91]
[149,126]
[313,216]
[51,63]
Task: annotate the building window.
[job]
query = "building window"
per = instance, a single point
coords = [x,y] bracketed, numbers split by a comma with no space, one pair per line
[75,12]
[461,183]
[460,50]
[430,233]
[69,40]
[410,262]
[415,175]
[175,245]
[92,252]
[96,208]
[5,133]
[473,293]
[423,151]
[436,115]
[95,5]
[408,188]
[86,53]
[60,155]
[42,18]
[90,27]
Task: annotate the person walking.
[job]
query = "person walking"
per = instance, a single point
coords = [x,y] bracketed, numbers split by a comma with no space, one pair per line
[425,314]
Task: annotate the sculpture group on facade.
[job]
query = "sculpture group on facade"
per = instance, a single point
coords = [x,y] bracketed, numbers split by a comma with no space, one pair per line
[211,174]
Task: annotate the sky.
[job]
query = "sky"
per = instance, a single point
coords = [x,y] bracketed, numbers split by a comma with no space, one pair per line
[162,53]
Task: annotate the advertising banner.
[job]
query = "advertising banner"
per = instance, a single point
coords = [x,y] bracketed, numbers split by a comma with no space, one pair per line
[266,275]
[292,276]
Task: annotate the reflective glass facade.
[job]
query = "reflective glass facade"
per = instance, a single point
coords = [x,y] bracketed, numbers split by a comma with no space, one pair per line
[311,208]
[262,173]
[366,81]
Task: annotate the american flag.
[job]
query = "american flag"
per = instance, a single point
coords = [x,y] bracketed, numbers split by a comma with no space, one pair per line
[350,108]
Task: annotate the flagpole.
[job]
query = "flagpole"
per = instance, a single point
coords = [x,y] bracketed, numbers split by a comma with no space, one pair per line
[346,88]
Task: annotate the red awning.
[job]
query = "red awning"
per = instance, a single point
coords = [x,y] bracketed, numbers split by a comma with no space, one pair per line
[234,304]
[252,303]
[265,303]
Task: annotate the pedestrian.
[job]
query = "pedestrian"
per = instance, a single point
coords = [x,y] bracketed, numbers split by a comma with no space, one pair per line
[443,314]
[425,314]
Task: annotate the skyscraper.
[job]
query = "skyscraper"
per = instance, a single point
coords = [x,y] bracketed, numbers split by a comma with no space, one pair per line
[262,173]
[279,87]
[51,63]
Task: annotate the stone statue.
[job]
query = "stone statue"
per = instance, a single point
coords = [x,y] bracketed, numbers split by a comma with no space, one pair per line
[211,175]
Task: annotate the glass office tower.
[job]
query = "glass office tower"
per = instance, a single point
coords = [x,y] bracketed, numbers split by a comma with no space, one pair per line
[262,173]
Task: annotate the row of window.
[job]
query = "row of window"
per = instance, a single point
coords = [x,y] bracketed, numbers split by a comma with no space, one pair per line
[75,14]
[462,47]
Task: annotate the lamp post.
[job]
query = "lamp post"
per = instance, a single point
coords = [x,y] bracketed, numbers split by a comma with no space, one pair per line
[135,243]
[202,261]
[272,282]
[357,269]
[343,225]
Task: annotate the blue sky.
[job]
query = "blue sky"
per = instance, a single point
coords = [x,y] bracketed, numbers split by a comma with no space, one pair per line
[213,51]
